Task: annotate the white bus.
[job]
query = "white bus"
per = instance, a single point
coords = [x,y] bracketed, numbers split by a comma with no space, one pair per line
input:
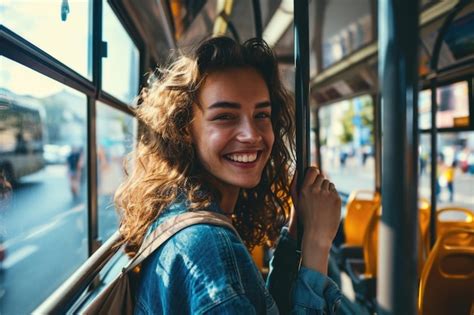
[21,137]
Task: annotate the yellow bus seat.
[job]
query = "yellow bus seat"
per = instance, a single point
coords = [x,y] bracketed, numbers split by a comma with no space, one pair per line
[424,219]
[361,271]
[370,244]
[449,218]
[447,280]
[360,207]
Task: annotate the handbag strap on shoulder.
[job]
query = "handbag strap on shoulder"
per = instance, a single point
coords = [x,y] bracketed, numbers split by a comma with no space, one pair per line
[172,226]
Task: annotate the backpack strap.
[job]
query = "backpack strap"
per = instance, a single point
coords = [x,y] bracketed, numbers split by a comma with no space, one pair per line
[172,226]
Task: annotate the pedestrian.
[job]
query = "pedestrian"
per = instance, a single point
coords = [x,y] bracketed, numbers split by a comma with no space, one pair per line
[75,161]
[220,138]
[448,175]
[439,174]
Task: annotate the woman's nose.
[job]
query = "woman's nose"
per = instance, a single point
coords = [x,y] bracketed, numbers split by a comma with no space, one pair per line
[248,133]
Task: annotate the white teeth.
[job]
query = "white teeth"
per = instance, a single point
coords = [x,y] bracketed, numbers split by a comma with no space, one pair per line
[243,158]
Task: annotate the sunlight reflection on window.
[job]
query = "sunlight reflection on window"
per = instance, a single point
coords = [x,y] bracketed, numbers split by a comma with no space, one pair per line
[40,22]
[120,68]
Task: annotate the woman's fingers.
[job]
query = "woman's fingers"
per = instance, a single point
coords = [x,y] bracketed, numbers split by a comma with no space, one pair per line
[311,174]
[318,182]
[314,179]
[325,185]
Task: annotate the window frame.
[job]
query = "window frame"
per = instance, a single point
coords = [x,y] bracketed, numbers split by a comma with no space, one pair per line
[20,50]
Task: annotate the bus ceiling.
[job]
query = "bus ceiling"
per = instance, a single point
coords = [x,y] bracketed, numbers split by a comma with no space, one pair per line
[337,71]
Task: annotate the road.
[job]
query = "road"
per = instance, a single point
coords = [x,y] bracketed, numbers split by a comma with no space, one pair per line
[45,235]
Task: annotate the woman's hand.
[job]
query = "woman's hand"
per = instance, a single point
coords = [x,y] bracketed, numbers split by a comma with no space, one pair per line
[319,206]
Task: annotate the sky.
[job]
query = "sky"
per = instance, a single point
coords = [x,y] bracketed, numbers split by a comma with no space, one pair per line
[69,41]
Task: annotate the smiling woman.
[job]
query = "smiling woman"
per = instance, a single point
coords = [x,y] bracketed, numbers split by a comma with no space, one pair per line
[232,130]
[170,164]
[220,139]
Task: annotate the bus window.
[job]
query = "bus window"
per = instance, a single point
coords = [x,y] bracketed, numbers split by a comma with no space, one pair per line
[453,106]
[347,143]
[120,51]
[44,223]
[40,21]
[455,168]
[116,132]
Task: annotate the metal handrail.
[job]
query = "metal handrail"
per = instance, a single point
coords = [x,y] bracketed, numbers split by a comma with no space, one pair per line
[66,295]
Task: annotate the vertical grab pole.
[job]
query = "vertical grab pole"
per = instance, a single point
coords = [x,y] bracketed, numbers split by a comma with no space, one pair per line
[257,16]
[398,72]
[301,35]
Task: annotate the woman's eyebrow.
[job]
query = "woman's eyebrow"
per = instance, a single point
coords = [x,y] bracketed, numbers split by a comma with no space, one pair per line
[233,105]
[263,104]
[224,105]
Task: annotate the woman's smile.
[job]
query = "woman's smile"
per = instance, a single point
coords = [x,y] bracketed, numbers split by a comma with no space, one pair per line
[244,159]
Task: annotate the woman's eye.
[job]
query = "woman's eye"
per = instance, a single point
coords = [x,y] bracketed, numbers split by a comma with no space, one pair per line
[224,117]
[263,115]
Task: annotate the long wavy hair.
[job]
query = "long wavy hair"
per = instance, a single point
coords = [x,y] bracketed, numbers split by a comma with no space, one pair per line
[165,163]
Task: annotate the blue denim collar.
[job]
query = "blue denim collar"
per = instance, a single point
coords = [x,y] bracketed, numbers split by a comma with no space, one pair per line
[180,205]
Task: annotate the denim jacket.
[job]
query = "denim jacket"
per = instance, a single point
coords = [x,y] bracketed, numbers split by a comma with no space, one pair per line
[206,269]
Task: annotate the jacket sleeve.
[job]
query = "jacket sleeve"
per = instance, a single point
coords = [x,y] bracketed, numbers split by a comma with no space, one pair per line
[299,291]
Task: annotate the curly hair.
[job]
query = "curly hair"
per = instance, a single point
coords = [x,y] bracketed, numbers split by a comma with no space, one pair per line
[165,160]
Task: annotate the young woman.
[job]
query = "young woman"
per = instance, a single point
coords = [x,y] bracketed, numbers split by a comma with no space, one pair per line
[220,137]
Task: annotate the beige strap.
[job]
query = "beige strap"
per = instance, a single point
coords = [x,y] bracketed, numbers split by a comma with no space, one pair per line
[172,226]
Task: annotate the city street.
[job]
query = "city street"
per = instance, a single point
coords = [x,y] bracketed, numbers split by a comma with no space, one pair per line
[357,177]
[45,235]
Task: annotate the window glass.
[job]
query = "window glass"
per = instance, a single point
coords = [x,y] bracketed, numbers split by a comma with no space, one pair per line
[120,69]
[453,106]
[347,144]
[347,27]
[116,132]
[455,168]
[43,228]
[60,28]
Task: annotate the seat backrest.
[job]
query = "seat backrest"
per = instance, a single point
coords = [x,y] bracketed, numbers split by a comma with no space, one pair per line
[449,218]
[423,231]
[447,280]
[424,219]
[360,208]
[370,242]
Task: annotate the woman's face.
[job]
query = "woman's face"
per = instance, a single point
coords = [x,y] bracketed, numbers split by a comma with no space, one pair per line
[232,129]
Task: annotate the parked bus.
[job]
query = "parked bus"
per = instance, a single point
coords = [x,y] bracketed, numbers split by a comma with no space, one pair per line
[21,137]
